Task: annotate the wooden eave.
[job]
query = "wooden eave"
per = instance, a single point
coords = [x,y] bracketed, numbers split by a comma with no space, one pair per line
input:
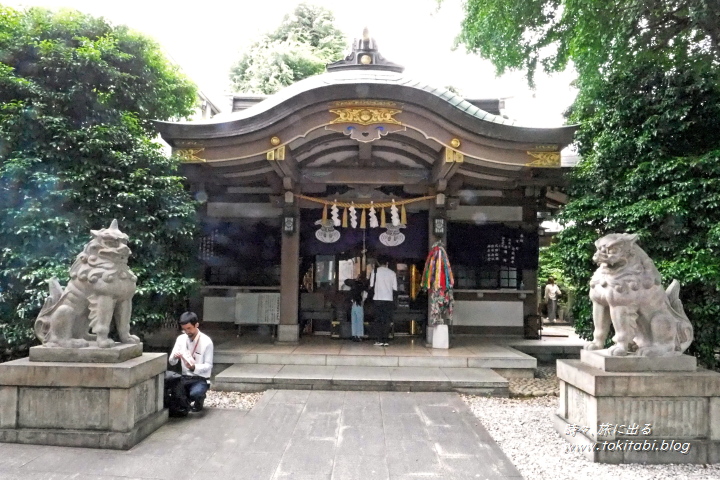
[287,135]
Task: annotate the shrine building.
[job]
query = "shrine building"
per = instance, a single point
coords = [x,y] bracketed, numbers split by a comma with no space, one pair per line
[303,189]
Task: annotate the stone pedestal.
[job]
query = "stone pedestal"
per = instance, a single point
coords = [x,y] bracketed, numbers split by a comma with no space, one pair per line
[119,353]
[288,333]
[639,410]
[96,405]
[440,337]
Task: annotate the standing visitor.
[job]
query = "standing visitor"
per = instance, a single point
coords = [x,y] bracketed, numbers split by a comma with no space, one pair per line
[358,294]
[195,349]
[552,293]
[383,281]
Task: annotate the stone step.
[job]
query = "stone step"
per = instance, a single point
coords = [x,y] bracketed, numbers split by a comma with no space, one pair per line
[248,377]
[518,360]
[505,360]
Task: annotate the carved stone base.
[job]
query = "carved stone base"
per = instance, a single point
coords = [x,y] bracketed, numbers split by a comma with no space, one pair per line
[119,353]
[107,405]
[600,410]
[607,363]
[440,337]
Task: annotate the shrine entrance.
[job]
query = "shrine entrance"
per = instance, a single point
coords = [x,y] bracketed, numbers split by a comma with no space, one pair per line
[331,255]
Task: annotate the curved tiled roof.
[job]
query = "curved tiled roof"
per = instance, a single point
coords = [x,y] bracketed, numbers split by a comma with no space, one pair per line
[372,77]
[382,84]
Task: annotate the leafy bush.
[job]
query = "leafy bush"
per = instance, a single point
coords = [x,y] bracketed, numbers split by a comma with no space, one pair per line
[77,100]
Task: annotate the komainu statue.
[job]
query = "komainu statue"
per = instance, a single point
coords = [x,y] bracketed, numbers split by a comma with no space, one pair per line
[101,288]
[626,290]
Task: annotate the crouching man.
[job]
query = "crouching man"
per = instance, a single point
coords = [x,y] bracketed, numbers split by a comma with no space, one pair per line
[195,350]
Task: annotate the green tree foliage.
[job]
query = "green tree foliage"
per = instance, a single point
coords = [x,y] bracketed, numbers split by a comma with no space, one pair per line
[77,97]
[552,264]
[300,47]
[649,112]
[527,34]
[651,165]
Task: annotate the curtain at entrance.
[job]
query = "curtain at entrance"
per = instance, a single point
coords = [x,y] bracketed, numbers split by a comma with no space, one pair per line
[413,246]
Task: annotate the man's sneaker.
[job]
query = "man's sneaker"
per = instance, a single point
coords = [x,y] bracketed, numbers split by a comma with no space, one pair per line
[386,344]
[379,344]
[197,405]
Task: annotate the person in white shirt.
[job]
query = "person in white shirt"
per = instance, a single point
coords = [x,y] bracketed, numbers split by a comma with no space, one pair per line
[195,350]
[552,293]
[383,281]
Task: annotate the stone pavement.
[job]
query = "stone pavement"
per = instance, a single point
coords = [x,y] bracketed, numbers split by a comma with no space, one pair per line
[292,435]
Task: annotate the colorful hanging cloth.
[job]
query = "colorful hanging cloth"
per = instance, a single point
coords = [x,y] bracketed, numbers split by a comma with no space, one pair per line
[438,280]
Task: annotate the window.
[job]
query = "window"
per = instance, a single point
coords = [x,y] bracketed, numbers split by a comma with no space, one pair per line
[325,270]
[508,277]
[490,277]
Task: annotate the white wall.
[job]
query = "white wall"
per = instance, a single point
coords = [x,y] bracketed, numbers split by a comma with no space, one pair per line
[488,313]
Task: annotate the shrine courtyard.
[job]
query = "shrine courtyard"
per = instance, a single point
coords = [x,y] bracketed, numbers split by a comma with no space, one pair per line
[292,434]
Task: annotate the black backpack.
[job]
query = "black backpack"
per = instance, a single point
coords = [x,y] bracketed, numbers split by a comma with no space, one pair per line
[175,399]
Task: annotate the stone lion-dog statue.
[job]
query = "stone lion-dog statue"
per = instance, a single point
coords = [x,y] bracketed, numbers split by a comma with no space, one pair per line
[101,288]
[626,291]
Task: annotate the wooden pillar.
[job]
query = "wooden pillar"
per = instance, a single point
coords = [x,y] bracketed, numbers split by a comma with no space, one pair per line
[436,211]
[288,330]
[195,303]
[530,225]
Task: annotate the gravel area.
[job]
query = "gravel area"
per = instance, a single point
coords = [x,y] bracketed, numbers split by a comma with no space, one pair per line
[523,429]
[241,401]
[544,383]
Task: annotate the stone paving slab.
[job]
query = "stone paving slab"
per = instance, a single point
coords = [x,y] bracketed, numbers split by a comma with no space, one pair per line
[292,434]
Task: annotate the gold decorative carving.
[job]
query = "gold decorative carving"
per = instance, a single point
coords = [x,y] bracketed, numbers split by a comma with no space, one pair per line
[365,115]
[186,143]
[188,155]
[545,159]
[366,133]
[453,156]
[366,59]
[276,154]
[275,141]
[455,142]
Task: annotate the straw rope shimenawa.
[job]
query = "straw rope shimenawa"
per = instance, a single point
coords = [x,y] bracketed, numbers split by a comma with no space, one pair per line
[363,207]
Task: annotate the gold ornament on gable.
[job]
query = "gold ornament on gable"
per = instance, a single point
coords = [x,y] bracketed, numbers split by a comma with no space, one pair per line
[365,122]
[365,116]
[545,159]
[189,155]
[276,153]
[453,156]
